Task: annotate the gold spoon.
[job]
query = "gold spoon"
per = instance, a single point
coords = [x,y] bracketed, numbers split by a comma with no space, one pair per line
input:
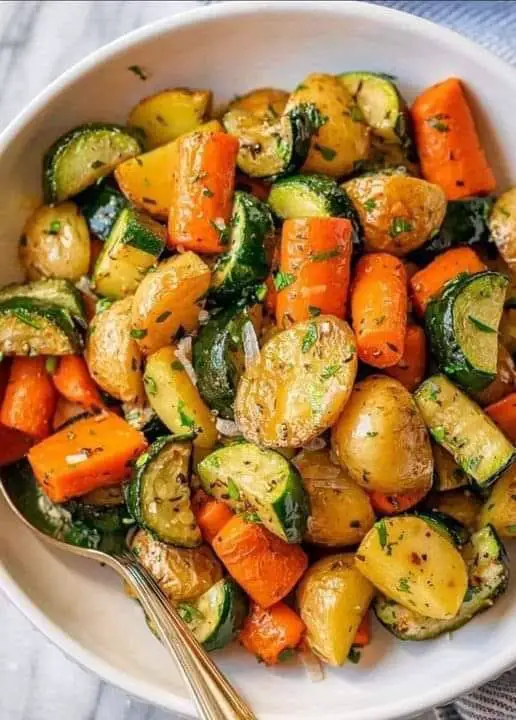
[214,697]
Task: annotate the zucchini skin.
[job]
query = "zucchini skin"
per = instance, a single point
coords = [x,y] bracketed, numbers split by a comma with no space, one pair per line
[63,143]
[232,616]
[238,271]
[101,205]
[217,375]
[30,308]
[55,291]
[446,525]
[440,327]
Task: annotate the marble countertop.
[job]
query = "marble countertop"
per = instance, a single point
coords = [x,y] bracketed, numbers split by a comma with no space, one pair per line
[39,39]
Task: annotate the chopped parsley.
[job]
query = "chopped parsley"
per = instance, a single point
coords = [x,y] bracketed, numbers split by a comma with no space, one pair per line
[164,315]
[138,333]
[330,371]
[399,225]
[208,193]
[381,529]
[510,528]
[138,71]
[433,391]
[310,338]
[55,227]
[282,280]
[177,365]
[51,364]
[252,517]
[233,491]
[286,654]
[436,122]
[480,325]
[261,292]
[369,204]
[150,385]
[371,434]
[184,418]
[439,433]
[404,585]
[328,153]
[102,305]
[314,311]
[356,114]
[189,612]
[326,255]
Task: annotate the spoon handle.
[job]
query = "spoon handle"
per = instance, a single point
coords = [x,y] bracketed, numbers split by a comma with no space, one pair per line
[214,696]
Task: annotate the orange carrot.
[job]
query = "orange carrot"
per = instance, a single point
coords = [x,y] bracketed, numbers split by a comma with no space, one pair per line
[264,565]
[13,443]
[268,633]
[202,194]
[503,413]
[73,381]
[313,277]
[448,144]
[89,453]
[379,309]
[428,282]
[363,635]
[30,398]
[65,411]
[410,370]
[211,518]
[396,503]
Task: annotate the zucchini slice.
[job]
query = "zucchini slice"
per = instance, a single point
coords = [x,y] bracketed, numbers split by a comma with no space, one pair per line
[302,196]
[460,426]
[502,224]
[218,358]
[133,245]
[81,156]
[462,326]
[381,104]
[261,482]
[448,475]
[158,494]
[445,524]
[217,616]
[101,204]
[238,271]
[272,142]
[488,576]
[29,326]
[465,223]
[54,291]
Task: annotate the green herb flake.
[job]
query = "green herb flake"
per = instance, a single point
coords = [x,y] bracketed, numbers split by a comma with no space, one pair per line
[436,122]
[102,305]
[330,371]
[177,365]
[371,434]
[150,385]
[369,204]
[480,325]
[404,585]
[399,225]
[381,529]
[510,528]
[164,315]
[51,364]
[184,418]
[328,153]
[354,655]
[137,333]
[286,654]
[96,164]
[189,613]
[233,491]
[261,292]
[314,311]
[432,391]
[24,317]
[356,114]
[310,338]
[54,228]
[326,255]
[504,212]
[138,71]
[439,433]
[252,517]
[208,193]
[283,280]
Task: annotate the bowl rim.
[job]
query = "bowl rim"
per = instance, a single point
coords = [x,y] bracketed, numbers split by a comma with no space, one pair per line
[429,30]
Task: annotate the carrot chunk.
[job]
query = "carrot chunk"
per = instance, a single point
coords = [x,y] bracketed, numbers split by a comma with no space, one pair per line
[268,633]
[73,381]
[30,398]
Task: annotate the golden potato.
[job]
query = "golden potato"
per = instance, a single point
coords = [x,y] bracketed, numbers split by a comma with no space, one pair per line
[341,513]
[502,224]
[56,243]
[500,507]
[381,438]
[113,357]
[342,140]
[182,573]
[299,385]
[398,213]
[333,597]
[462,504]
[415,565]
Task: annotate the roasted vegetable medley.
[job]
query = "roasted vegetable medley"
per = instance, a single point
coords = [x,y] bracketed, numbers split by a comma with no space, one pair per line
[273,352]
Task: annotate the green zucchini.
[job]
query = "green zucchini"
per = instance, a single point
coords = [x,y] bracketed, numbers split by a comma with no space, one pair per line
[465,223]
[131,249]
[301,196]
[158,494]
[488,574]
[260,482]
[272,144]
[445,524]
[462,327]
[218,358]
[50,290]
[101,205]
[29,326]
[447,474]
[81,156]
[460,426]
[216,617]
[238,271]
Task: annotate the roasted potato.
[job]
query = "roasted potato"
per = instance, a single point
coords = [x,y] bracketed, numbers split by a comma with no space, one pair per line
[333,597]
[299,385]
[56,243]
[414,564]
[398,213]
[461,504]
[168,114]
[167,299]
[381,438]
[500,507]
[502,225]
[342,139]
[182,573]
[176,400]
[341,513]
[113,357]
[503,384]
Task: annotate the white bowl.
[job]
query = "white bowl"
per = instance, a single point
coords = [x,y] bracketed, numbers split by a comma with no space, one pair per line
[231,48]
